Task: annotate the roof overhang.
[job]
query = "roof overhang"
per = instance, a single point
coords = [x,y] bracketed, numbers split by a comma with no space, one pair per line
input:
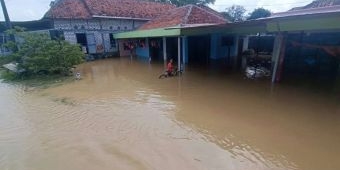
[309,22]
[159,32]
[294,23]
[187,30]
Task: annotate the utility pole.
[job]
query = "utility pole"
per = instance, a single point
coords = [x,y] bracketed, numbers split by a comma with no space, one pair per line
[4,9]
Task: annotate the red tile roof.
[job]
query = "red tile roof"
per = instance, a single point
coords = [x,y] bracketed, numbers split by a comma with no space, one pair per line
[84,9]
[68,9]
[185,15]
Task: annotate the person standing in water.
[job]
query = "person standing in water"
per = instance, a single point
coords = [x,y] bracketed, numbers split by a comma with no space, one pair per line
[170,68]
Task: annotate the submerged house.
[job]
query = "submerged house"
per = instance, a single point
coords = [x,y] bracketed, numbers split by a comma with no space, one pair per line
[173,35]
[307,44]
[92,23]
[302,43]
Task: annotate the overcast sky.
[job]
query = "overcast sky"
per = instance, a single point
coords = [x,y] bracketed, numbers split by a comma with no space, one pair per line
[25,10]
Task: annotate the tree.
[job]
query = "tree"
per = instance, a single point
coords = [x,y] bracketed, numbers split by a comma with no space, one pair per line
[226,15]
[259,13]
[37,52]
[236,13]
[186,2]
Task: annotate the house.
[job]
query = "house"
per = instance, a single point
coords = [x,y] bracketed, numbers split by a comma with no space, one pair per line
[173,35]
[304,43]
[91,23]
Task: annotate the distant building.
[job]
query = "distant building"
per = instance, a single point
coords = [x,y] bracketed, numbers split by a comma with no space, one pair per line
[42,26]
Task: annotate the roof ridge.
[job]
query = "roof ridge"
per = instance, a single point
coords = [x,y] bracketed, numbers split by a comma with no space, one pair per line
[87,7]
[186,17]
[220,17]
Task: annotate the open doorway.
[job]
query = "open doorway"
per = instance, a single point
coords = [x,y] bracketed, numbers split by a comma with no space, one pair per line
[199,50]
[81,39]
[172,48]
[156,49]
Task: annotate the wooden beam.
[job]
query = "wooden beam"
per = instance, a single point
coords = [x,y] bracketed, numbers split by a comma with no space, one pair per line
[276,53]
[278,56]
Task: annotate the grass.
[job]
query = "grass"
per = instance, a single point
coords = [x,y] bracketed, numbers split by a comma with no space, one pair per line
[38,81]
[5,60]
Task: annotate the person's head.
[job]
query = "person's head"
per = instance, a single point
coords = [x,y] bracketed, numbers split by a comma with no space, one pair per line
[171,61]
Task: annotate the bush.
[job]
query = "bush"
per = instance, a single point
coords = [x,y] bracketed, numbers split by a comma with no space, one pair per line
[37,53]
[6,75]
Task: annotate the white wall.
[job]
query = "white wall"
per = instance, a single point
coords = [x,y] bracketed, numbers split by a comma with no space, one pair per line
[101,28]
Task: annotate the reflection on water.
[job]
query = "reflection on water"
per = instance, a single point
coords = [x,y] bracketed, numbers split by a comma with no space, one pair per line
[121,116]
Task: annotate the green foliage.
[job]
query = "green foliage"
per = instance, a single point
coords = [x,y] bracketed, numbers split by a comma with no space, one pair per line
[226,15]
[37,53]
[259,13]
[235,13]
[6,75]
[5,60]
[186,2]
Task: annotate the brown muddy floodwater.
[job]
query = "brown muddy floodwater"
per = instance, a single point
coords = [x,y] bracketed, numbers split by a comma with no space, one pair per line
[121,116]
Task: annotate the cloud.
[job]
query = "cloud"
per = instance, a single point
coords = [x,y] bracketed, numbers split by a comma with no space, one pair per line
[19,10]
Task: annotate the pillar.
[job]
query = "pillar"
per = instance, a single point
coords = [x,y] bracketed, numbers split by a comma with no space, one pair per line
[164,51]
[245,43]
[179,53]
[185,58]
[278,57]
[235,51]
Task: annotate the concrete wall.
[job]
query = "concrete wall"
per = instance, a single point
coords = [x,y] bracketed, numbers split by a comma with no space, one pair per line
[218,50]
[143,52]
[185,50]
[101,28]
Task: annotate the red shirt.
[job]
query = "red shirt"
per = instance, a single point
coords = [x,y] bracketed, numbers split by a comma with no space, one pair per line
[170,67]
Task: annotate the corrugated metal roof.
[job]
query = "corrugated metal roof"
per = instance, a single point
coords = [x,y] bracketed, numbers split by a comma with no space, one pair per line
[311,11]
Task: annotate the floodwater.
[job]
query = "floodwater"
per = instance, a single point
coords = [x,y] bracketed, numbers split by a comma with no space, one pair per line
[121,116]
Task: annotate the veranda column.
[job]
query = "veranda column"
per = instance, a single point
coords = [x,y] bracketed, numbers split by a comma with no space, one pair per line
[179,53]
[164,51]
[278,57]
[184,52]
[245,43]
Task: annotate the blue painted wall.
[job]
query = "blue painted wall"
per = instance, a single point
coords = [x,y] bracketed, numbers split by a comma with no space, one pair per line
[218,50]
[185,49]
[143,52]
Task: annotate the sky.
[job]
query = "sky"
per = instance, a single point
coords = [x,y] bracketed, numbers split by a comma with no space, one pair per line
[26,10]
